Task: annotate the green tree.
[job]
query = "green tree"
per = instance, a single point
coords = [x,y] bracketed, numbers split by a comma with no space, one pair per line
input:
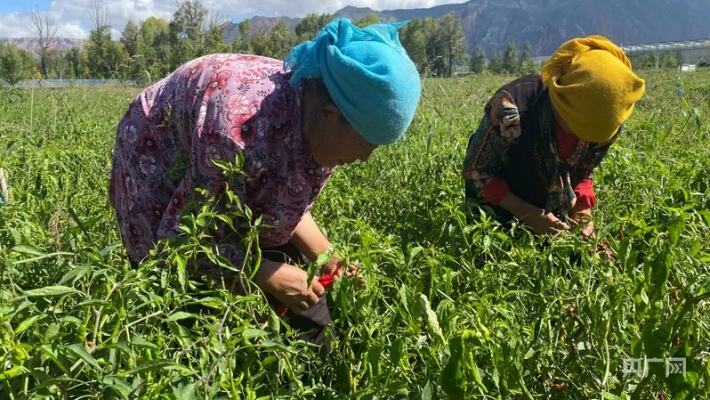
[279,41]
[496,63]
[450,43]
[153,50]
[510,59]
[130,38]
[310,25]
[188,20]
[186,32]
[369,19]
[527,66]
[416,37]
[242,44]
[12,65]
[56,64]
[77,63]
[478,61]
[670,59]
[259,44]
[106,58]
[214,40]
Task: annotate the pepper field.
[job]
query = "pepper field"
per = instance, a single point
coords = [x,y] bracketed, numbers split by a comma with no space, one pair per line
[449,309]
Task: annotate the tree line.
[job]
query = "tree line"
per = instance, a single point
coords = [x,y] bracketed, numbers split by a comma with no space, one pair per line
[152,48]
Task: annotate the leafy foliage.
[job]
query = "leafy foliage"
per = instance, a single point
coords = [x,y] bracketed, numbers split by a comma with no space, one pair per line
[436,46]
[451,308]
[15,64]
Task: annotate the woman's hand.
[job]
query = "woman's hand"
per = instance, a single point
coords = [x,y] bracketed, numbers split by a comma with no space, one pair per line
[588,230]
[338,269]
[541,222]
[545,223]
[288,284]
[584,218]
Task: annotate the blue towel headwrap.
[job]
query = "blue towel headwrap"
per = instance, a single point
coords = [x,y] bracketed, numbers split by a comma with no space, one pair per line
[368,74]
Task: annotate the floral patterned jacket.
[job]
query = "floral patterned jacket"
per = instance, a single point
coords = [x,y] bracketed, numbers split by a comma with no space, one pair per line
[213,108]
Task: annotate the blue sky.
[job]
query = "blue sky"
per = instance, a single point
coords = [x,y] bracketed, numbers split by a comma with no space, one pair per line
[72,16]
[7,6]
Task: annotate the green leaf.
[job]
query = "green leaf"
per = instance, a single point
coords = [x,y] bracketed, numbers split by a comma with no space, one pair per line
[184,392]
[51,352]
[428,391]
[181,369]
[28,323]
[75,274]
[13,372]
[252,333]
[151,365]
[80,351]
[452,378]
[661,272]
[33,259]
[431,318]
[139,341]
[27,249]
[675,228]
[322,259]
[396,352]
[181,270]
[71,320]
[110,248]
[49,291]
[180,315]
[404,298]
[414,252]
[118,385]
[477,375]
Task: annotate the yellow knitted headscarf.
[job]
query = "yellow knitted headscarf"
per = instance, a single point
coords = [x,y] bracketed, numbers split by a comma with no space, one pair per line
[592,86]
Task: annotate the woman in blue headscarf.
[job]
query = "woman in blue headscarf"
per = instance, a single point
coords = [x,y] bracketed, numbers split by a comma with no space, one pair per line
[333,101]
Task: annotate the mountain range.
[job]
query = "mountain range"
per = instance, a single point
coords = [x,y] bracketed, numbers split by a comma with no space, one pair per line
[31,44]
[492,24]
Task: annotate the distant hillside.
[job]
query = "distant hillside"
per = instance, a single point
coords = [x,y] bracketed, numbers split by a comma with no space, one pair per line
[30,44]
[544,23]
[547,23]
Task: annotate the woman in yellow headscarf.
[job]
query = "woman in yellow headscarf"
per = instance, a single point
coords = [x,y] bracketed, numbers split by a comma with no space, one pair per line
[542,135]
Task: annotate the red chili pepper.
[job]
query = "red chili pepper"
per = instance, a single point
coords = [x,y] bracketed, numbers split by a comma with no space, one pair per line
[326,280]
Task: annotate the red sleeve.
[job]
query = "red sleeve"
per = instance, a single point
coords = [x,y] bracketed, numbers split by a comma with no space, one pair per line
[566,142]
[495,190]
[585,194]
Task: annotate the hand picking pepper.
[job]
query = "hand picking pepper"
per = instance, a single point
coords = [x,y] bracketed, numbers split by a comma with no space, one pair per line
[326,280]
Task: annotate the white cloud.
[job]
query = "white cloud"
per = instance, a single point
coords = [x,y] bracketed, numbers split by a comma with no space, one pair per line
[13,24]
[73,17]
[72,30]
